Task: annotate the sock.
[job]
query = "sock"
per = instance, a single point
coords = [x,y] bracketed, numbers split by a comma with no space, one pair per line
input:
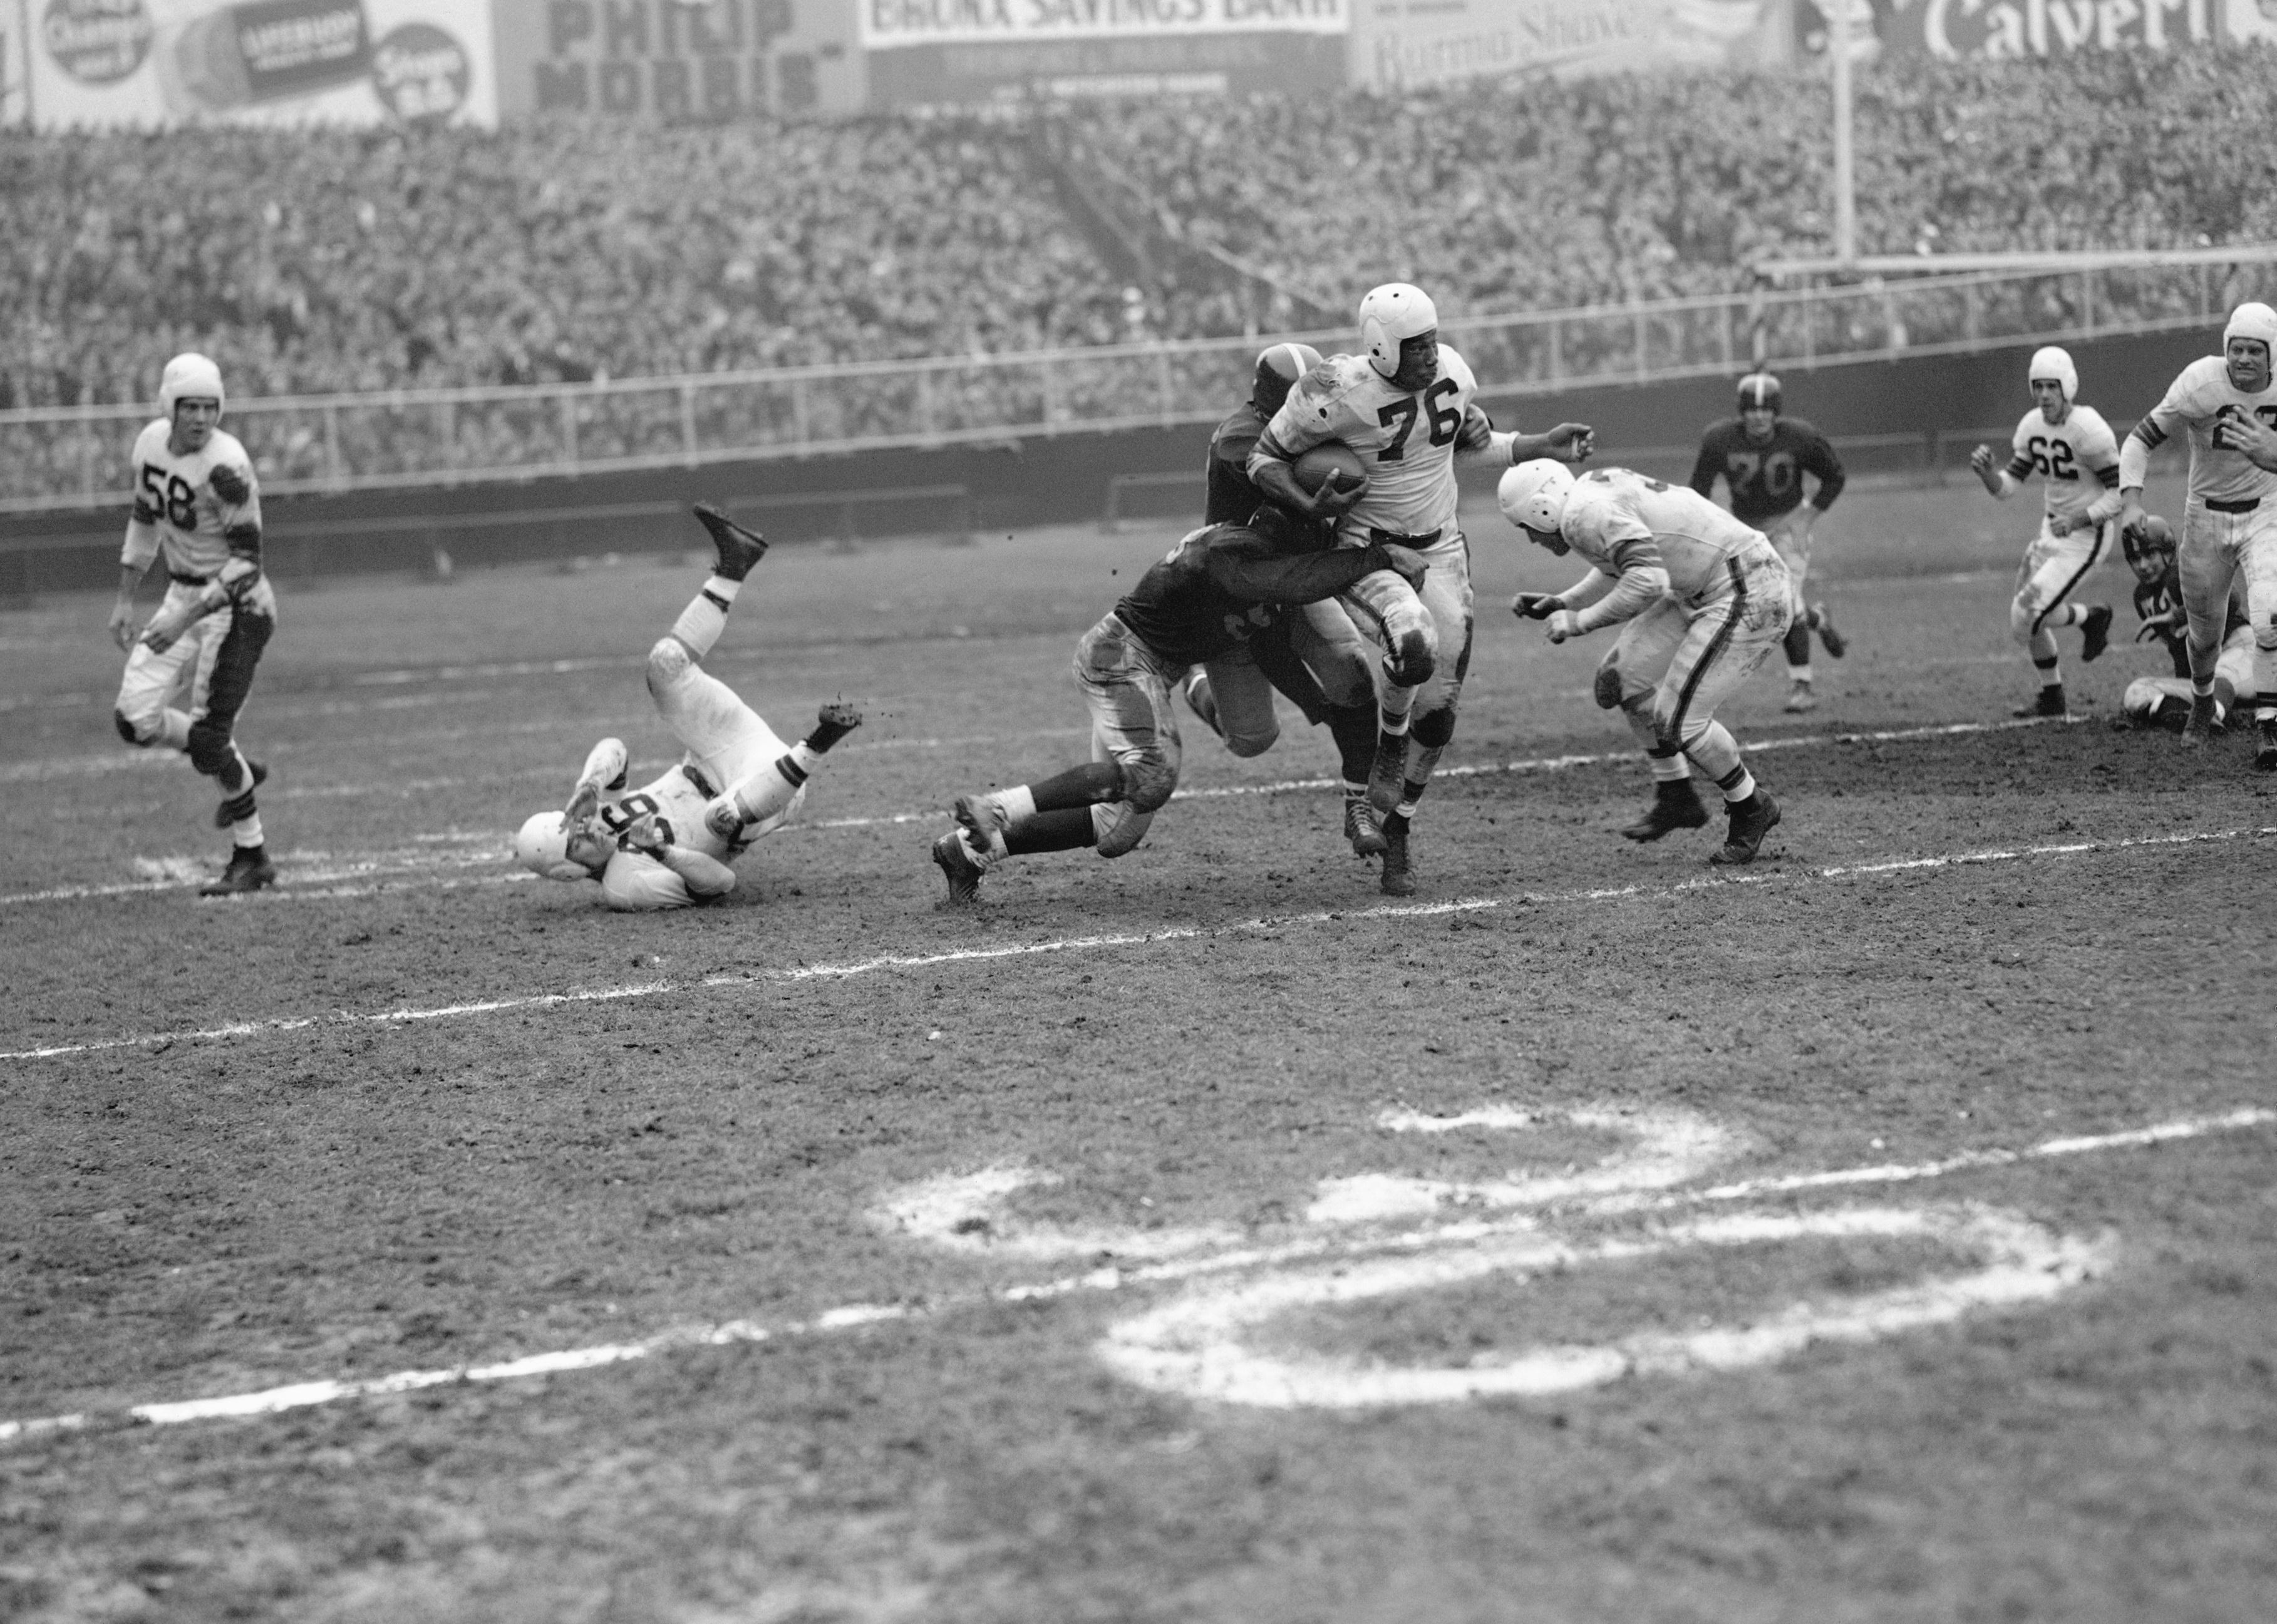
[2264,682]
[1018,804]
[700,624]
[1083,786]
[1797,643]
[2050,674]
[1410,792]
[2066,615]
[1353,728]
[245,834]
[1738,785]
[1393,711]
[1068,829]
[1668,767]
[1800,674]
[1712,748]
[2201,690]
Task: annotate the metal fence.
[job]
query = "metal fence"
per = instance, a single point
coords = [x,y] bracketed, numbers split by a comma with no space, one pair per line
[71,457]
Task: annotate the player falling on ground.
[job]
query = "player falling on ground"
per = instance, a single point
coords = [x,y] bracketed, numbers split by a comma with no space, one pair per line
[669,844]
[197,501]
[1316,658]
[1705,598]
[1762,457]
[1221,586]
[1405,406]
[2071,447]
[2164,701]
[2229,520]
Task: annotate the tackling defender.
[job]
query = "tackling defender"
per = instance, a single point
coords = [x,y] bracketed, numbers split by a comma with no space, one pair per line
[668,844]
[196,501]
[1762,457]
[1706,597]
[2063,442]
[1405,406]
[2230,522]
[2164,701]
[1219,587]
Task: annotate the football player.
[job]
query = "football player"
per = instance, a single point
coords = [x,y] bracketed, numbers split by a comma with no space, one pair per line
[1405,406]
[1705,598]
[2164,701]
[2074,450]
[188,674]
[1221,586]
[1318,658]
[2229,520]
[669,844]
[1762,458]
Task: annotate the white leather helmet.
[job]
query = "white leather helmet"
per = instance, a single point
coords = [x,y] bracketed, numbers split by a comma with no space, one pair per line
[1532,494]
[2252,320]
[542,846]
[2054,361]
[1387,316]
[189,377]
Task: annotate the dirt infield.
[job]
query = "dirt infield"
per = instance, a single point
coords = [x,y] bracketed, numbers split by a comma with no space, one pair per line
[1884,1233]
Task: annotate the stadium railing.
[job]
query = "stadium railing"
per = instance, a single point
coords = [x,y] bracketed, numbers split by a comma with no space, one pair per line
[64,458]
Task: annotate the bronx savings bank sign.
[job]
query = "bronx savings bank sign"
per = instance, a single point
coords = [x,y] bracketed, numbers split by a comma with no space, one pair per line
[967,51]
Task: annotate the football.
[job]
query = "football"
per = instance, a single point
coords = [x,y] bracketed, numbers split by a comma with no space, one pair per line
[1329,457]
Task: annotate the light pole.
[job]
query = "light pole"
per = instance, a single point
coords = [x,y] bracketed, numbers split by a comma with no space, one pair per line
[1846,181]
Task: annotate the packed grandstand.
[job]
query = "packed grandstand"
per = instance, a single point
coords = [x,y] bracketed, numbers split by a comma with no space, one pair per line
[365,260]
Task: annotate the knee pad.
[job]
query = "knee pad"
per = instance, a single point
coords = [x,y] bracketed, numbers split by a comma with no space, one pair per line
[1411,661]
[1120,826]
[1608,686]
[1433,728]
[1147,784]
[210,749]
[132,731]
[666,661]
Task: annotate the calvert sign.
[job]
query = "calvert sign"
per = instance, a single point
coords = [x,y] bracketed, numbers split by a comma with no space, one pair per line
[1996,29]
[892,25]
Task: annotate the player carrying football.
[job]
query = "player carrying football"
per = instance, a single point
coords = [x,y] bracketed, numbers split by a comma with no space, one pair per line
[2229,520]
[1219,587]
[1762,457]
[187,676]
[669,844]
[2074,450]
[1405,407]
[1705,598]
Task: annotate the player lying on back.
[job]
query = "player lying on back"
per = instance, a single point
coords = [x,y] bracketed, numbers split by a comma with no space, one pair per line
[670,842]
[1405,405]
[2071,447]
[1762,457]
[1219,587]
[2229,520]
[1701,599]
[2164,701]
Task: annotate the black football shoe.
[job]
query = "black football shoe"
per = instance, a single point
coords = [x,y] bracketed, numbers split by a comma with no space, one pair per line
[738,548]
[1364,826]
[1751,819]
[2096,629]
[2051,703]
[1823,623]
[2265,758]
[249,870]
[227,813]
[1675,805]
[2205,722]
[1399,876]
[958,868]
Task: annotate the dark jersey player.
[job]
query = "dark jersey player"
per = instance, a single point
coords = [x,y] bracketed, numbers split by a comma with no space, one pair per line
[1318,658]
[1762,458]
[1220,587]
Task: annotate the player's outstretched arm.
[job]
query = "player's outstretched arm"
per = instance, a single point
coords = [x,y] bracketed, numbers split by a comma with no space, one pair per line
[1568,442]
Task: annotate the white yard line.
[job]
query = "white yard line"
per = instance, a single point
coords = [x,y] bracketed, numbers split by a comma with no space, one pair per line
[388,1019]
[304,1395]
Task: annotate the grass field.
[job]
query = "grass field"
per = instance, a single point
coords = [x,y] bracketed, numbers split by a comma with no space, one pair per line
[1887,1232]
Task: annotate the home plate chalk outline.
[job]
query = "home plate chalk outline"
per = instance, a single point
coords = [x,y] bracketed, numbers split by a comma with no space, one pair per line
[1193,1344]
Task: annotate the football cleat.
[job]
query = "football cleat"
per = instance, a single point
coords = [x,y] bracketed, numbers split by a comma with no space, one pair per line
[833,722]
[738,548]
[957,866]
[2265,757]
[1801,698]
[1364,826]
[1398,877]
[1751,819]
[1389,772]
[2096,629]
[225,814]
[1675,805]
[2204,722]
[249,870]
[2051,703]
[1837,644]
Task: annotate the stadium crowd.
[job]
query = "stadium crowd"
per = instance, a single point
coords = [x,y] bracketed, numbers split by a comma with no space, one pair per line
[325,261]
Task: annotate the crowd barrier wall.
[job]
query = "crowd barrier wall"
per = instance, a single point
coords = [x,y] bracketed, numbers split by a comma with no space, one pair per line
[1913,418]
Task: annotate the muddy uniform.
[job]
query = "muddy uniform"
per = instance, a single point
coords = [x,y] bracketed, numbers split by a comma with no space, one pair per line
[2079,460]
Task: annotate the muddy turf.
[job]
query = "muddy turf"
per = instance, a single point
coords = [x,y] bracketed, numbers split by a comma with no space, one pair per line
[1886,1233]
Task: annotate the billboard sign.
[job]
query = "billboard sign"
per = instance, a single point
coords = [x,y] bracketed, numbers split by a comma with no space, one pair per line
[151,62]
[1993,30]
[678,60]
[1405,44]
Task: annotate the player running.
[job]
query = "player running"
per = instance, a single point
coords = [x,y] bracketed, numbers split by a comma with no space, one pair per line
[2229,520]
[1220,587]
[2164,701]
[1706,597]
[1405,407]
[1762,457]
[2074,450]
[668,844]
[197,501]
